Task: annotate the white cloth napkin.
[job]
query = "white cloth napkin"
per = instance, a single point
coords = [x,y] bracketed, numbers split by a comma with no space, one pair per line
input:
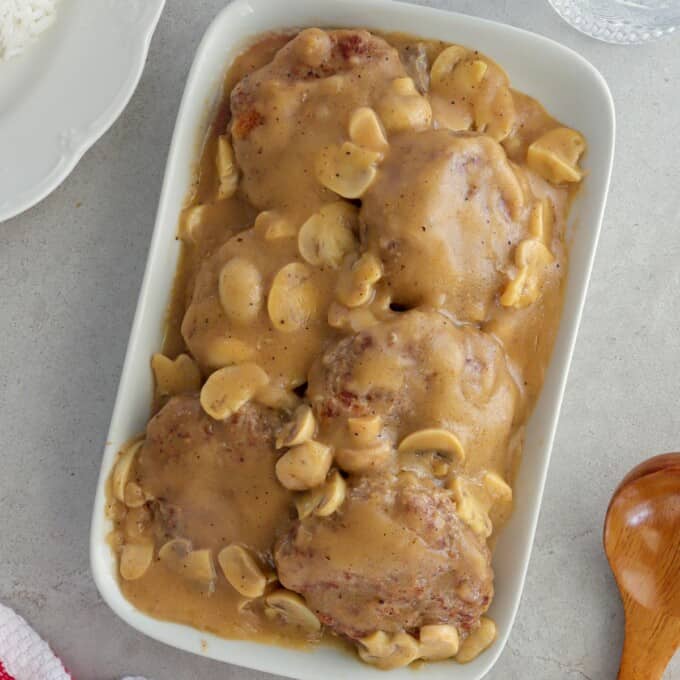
[24,655]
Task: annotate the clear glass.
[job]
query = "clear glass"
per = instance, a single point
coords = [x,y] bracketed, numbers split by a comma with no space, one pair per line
[621,21]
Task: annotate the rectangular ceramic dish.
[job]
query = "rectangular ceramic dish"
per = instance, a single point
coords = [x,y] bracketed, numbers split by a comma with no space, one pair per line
[571,89]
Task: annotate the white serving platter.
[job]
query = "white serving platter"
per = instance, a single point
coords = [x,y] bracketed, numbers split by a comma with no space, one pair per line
[572,90]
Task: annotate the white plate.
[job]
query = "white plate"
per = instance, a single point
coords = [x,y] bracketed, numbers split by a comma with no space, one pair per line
[64,92]
[572,90]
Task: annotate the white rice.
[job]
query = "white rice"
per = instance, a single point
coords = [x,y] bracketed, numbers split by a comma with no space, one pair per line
[21,21]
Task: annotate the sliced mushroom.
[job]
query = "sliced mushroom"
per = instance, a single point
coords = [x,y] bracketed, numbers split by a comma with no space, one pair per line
[497,487]
[445,62]
[388,651]
[377,645]
[299,430]
[191,222]
[134,495]
[137,524]
[176,376]
[495,113]
[365,129]
[478,641]
[517,293]
[355,286]
[367,459]
[531,259]
[227,172]
[174,552]
[555,155]
[274,225]
[277,397]
[123,469]
[115,510]
[328,235]
[221,351]
[365,430]
[242,571]
[476,70]
[466,80]
[227,389]
[291,608]
[306,503]
[456,78]
[403,86]
[304,466]
[293,298]
[348,170]
[240,290]
[472,92]
[194,565]
[333,495]
[472,505]
[533,253]
[403,108]
[135,559]
[368,269]
[500,493]
[434,439]
[323,500]
[200,567]
[541,221]
[438,641]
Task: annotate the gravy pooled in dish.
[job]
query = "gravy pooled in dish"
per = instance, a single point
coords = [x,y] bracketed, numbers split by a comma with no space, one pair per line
[371,279]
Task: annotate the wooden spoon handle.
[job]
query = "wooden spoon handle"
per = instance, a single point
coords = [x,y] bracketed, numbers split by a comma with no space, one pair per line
[651,640]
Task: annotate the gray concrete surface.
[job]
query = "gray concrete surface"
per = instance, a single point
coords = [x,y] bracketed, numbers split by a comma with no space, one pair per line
[70,270]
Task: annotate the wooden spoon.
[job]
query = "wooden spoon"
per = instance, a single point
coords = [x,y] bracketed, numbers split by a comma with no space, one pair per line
[642,542]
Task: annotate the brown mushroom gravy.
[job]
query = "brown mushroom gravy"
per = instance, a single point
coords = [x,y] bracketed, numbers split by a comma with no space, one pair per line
[370,284]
